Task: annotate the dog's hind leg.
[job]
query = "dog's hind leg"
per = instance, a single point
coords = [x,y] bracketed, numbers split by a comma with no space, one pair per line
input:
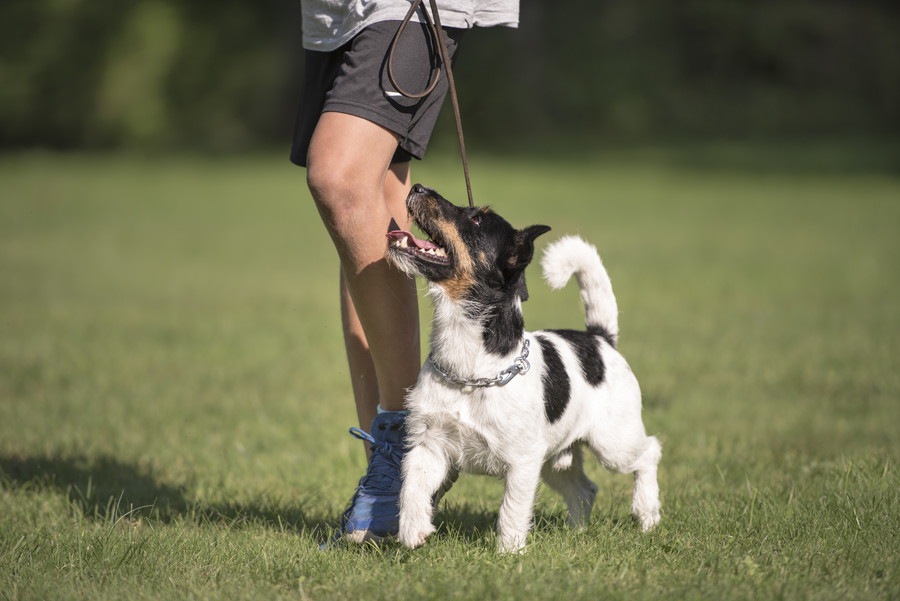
[449,481]
[576,489]
[425,470]
[636,454]
[645,505]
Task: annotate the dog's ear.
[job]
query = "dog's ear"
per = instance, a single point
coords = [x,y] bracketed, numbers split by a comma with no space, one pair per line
[520,255]
[523,247]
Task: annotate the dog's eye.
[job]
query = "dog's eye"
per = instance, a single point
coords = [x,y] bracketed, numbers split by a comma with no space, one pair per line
[475,219]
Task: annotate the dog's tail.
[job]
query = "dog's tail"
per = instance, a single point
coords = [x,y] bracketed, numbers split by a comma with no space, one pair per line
[570,256]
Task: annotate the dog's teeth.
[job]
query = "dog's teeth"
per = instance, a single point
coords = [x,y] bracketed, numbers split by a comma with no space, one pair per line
[403,242]
[441,252]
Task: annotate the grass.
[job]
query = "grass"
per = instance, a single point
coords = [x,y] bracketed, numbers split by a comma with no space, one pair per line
[174,399]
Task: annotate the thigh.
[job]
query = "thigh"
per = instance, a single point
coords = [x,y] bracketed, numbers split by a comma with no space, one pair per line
[353,80]
[347,146]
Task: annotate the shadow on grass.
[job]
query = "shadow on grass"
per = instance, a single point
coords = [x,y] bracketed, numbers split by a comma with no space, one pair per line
[106,489]
[469,524]
[464,522]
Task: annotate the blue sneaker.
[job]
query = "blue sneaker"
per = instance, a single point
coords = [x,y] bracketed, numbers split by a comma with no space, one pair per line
[374,511]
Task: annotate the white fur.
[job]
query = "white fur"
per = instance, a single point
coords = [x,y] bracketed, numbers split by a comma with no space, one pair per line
[570,256]
[503,431]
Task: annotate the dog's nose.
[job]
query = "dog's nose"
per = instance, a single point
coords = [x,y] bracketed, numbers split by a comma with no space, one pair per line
[419,188]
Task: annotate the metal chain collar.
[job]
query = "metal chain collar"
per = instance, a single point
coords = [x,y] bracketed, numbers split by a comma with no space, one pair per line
[520,366]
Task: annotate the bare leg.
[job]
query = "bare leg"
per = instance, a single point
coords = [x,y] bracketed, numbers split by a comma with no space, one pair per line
[359,357]
[359,360]
[357,192]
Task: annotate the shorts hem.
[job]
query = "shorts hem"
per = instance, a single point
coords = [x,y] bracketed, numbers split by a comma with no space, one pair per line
[387,121]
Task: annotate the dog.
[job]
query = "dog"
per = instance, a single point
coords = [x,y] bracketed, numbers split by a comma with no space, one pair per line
[495,399]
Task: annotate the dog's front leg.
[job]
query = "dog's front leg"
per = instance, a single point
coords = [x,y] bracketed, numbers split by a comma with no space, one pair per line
[424,471]
[518,505]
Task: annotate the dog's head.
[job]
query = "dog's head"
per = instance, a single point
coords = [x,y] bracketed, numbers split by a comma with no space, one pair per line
[469,251]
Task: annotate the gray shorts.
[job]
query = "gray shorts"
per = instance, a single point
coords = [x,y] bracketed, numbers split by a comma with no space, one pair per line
[353,80]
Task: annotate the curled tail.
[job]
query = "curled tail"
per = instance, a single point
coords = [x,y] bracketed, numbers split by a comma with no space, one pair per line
[570,256]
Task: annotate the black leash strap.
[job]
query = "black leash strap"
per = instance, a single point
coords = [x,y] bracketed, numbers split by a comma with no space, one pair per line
[436,30]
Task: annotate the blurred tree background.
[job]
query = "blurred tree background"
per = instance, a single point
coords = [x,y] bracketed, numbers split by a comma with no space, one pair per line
[223,75]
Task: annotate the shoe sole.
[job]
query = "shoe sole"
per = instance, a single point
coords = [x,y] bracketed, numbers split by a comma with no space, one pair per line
[361,537]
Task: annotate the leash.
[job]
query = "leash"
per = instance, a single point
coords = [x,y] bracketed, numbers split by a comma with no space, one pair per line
[434,27]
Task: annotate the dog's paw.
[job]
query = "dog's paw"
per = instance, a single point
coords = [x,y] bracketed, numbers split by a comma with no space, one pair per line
[512,549]
[413,536]
[648,520]
[512,545]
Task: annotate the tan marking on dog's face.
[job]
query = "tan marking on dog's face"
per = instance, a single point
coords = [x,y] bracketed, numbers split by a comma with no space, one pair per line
[463,278]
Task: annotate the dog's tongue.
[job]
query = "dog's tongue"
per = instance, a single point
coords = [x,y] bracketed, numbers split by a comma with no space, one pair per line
[399,234]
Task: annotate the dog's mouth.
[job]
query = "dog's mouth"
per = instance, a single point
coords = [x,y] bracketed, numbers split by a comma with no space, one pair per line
[432,251]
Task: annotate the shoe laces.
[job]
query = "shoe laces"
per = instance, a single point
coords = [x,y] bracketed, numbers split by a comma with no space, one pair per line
[381,475]
[384,467]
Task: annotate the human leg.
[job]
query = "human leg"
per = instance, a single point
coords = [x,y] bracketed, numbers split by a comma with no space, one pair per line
[349,131]
[357,194]
[347,134]
[359,358]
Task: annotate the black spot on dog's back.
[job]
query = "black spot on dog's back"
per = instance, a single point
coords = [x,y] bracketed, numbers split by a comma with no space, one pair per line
[598,330]
[557,387]
[586,347]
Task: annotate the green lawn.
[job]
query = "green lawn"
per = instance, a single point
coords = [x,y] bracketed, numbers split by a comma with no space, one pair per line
[174,400]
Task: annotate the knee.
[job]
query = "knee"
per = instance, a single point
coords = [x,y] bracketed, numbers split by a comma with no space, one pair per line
[324,179]
[334,190]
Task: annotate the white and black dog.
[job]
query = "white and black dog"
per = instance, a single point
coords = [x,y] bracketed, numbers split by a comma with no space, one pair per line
[495,399]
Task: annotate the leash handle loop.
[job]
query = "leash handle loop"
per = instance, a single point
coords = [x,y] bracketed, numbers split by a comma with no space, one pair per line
[435,70]
[433,24]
